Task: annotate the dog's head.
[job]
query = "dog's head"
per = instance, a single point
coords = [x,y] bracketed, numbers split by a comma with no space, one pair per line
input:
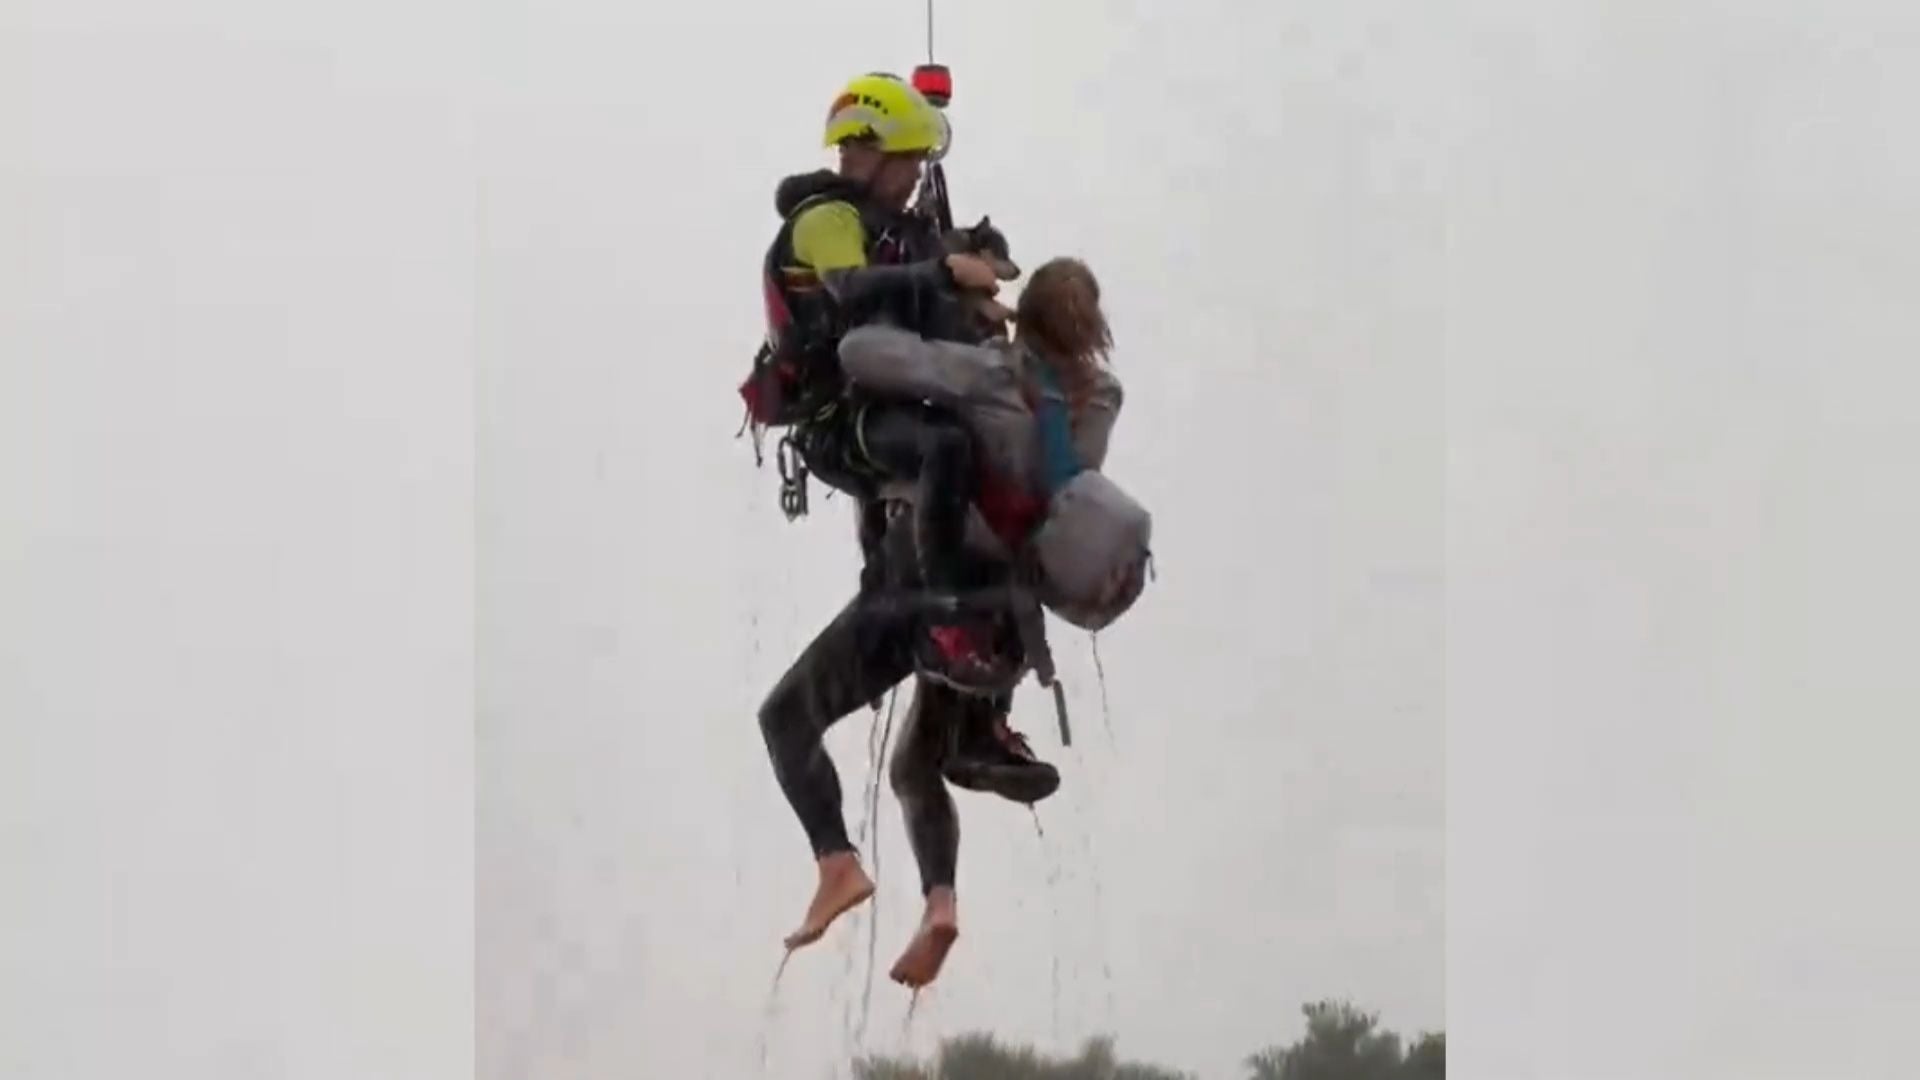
[988,242]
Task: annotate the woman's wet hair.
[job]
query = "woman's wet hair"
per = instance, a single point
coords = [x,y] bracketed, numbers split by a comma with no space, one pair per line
[1059,311]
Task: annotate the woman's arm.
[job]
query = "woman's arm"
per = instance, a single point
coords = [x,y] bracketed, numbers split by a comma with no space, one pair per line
[976,381]
[888,360]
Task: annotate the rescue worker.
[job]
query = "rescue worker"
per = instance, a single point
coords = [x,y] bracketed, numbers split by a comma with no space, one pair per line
[848,252]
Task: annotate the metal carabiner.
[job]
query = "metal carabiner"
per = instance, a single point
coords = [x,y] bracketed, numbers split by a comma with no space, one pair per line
[793,479]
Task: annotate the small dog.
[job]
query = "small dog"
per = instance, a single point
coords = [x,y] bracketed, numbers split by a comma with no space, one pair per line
[988,242]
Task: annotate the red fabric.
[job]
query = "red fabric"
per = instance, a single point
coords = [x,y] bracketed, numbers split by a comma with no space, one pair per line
[778,314]
[1009,509]
[957,643]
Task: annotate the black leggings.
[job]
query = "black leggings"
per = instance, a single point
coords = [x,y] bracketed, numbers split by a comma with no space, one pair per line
[859,656]
[866,650]
[862,653]
[928,737]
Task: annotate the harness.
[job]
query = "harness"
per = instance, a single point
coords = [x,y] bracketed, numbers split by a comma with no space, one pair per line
[796,382]
[796,372]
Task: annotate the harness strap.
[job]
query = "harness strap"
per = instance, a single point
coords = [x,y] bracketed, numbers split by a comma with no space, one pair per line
[1030,621]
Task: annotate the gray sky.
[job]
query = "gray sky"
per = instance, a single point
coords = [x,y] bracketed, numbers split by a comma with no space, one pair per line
[236,605]
[384,603]
[1681,514]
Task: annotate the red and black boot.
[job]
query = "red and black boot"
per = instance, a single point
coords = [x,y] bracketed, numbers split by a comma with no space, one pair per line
[992,757]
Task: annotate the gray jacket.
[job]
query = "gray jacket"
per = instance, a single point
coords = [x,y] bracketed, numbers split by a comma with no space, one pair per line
[1092,526]
[984,384]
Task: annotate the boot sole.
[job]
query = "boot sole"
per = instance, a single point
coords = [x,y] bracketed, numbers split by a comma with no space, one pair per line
[1027,784]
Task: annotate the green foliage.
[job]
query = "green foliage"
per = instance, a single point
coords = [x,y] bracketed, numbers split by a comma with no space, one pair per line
[1426,1058]
[1341,1043]
[1346,1043]
[982,1057]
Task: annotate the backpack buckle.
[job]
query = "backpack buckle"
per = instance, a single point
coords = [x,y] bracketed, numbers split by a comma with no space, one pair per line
[793,479]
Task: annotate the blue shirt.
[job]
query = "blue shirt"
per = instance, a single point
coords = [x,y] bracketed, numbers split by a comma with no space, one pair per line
[1059,462]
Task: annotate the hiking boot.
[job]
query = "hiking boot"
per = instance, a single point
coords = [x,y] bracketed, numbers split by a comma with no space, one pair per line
[998,760]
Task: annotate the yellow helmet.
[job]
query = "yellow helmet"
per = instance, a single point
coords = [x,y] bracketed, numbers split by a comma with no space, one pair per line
[888,108]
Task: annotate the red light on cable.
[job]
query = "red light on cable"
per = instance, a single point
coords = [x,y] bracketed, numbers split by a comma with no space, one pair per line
[935,83]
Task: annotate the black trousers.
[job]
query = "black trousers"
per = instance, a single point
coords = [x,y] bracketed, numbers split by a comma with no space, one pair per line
[936,719]
[868,443]
[860,655]
[866,650]
[857,658]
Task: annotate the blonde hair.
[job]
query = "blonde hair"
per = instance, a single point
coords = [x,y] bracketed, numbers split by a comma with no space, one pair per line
[1059,316]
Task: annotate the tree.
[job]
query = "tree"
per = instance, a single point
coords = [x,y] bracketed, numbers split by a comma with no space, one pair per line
[1341,1043]
[1346,1043]
[982,1057]
[1426,1058]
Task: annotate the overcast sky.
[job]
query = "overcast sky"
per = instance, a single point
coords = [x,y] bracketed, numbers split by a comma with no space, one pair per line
[1522,393]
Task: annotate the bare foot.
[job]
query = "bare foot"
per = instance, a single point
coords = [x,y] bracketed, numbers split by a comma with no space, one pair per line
[843,885]
[920,964]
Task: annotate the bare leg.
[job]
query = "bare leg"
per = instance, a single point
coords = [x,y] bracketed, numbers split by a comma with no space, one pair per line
[933,826]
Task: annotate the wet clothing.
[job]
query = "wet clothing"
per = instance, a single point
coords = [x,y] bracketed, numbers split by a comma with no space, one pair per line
[945,731]
[876,443]
[920,758]
[860,655]
[845,263]
[873,265]
[1032,442]
[868,648]
[953,737]
[1059,459]
[1042,498]
[842,264]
